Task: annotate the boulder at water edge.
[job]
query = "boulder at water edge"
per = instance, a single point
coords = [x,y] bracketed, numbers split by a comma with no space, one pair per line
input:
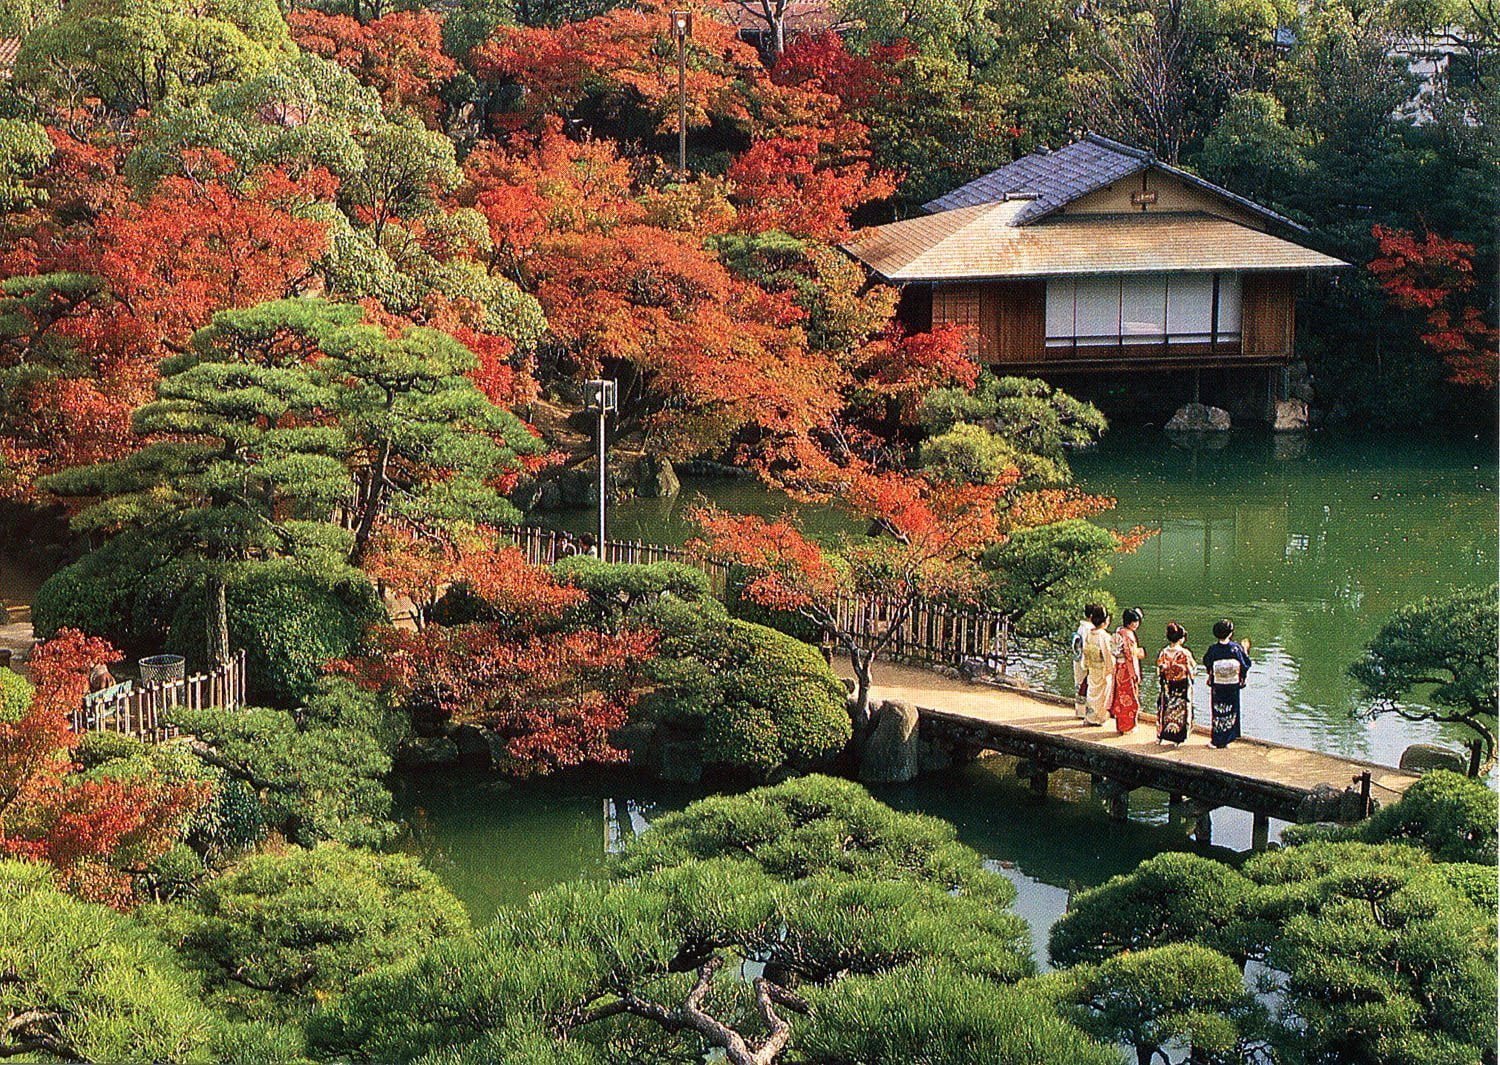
[1425,757]
[1199,418]
[656,479]
[1290,416]
[892,754]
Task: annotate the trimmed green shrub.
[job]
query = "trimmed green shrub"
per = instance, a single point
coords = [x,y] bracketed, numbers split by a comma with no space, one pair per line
[747,609]
[104,989]
[99,594]
[1451,816]
[758,700]
[15,695]
[278,931]
[290,621]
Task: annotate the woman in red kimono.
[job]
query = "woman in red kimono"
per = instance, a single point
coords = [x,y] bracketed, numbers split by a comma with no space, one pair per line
[1128,655]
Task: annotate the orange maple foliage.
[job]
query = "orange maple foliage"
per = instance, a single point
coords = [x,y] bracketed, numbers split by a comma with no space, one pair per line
[92,831]
[627,58]
[400,55]
[202,243]
[807,185]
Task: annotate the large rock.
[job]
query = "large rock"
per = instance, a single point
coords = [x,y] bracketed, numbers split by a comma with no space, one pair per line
[1290,416]
[656,479]
[892,754]
[473,746]
[1425,757]
[427,752]
[1199,418]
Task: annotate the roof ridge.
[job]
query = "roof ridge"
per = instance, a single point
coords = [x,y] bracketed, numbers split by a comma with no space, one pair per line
[1144,154]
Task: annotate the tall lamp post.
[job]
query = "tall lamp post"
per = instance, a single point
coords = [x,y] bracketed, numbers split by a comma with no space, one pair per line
[603,397]
[682,29]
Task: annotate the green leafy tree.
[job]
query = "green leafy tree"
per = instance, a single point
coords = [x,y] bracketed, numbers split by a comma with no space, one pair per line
[1440,650]
[1034,422]
[1042,578]
[84,983]
[1451,817]
[1255,151]
[231,460]
[278,931]
[1385,956]
[1171,898]
[24,150]
[134,53]
[1179,995]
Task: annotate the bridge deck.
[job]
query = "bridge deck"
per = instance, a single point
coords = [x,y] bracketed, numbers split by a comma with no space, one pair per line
[1249,774]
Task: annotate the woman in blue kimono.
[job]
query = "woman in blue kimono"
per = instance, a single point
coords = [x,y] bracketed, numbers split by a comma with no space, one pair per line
[1227,664]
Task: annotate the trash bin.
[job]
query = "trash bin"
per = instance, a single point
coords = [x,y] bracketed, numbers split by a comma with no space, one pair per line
[159,669]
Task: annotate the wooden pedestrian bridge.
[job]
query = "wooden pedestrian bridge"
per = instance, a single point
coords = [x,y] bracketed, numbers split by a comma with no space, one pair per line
[1269,780]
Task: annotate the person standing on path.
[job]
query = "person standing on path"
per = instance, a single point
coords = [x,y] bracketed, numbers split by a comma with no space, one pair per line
[1175,667]
[1080,671]
[1227,664]
[1099,667]
[1128,654]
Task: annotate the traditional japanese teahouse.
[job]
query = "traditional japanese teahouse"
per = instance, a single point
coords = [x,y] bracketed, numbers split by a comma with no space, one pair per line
[1100,257]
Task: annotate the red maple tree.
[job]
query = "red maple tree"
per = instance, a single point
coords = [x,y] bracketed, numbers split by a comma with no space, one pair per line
[553,692]
[400,55]
[1434,276]
[96,832]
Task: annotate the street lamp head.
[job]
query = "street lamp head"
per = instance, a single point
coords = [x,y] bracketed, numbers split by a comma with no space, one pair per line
[682,24]
[601,396]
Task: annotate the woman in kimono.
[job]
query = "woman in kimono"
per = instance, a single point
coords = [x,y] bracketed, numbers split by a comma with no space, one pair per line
[1128,654]
[1227,664]
[1098,667]
[1175,667]
[1080,671]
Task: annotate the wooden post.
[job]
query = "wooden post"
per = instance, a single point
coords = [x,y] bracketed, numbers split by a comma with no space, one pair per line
[1260,832]
[1363,780]
[1203,832]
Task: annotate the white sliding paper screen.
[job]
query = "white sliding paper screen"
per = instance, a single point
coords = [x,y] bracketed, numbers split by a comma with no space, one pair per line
[1140,309]
[1060,301]
[1097,310]
[1143,309]
[1190,308]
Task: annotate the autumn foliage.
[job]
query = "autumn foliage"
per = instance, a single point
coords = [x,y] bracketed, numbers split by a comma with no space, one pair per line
[95,832]
[1434,276]
[551,690]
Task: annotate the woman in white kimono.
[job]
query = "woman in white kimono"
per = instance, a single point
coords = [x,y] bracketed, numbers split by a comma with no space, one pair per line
[1080,672]
[1099,668]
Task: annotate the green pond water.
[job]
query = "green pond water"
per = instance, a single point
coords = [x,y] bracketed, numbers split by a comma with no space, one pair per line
[1308,543]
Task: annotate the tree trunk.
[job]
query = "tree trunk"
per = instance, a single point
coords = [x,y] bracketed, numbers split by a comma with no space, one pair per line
[862,663]
[216,618]
[1476,757]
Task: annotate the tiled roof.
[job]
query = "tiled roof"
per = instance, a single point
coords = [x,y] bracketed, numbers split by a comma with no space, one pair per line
[983,242]
[1054,179]
[10,47]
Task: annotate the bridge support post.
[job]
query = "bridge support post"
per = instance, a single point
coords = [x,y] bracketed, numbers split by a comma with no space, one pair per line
[1039,782]
[1203,832]
[1260,832]
[1176,800]
[1035,773]
[1118,794]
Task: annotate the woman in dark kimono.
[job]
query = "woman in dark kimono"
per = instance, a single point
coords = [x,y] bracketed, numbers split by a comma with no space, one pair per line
[1175,667]
[1227,663]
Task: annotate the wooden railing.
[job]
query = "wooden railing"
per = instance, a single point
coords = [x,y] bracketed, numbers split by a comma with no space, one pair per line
[139,710]
[932,632]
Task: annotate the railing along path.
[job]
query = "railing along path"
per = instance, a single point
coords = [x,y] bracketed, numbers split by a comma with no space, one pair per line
[930,632]
[139,710]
